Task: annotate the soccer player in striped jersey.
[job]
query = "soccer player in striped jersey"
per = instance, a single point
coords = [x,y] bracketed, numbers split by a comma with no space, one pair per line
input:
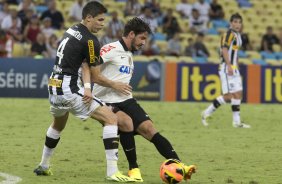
[231,82]
[118,67]
[67,96]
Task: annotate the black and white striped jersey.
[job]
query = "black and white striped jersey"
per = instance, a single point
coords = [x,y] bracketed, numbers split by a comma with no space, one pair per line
[77,45]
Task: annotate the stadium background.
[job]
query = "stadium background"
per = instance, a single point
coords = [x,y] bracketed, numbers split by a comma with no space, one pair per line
[159,73]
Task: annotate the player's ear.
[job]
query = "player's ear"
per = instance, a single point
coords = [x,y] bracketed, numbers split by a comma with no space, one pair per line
[131,34]
[88,17]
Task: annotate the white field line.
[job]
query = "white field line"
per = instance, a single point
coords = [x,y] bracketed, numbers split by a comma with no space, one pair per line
[9,179]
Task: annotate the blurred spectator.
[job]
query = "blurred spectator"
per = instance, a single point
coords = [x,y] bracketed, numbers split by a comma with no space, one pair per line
[107,37]
[170,24]
[132,8]
[32,30]
[8,21]
[216,11]
[75,13]
[25,15]
[38,48]
[151,48]
[55,15]
[189,49]
[46,27]
[6,45]
[116,25]
[4,11]
[154,5]
[268,40]
[174,46]
[52,45]
[184,9]
[197,23]
[199,46]
[148,17]
[27,4]
[246,44]
[203,8]
[12,25]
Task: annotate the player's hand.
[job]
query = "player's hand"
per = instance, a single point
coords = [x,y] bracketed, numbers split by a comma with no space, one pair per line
[87,97]
[229,70]
[123,88]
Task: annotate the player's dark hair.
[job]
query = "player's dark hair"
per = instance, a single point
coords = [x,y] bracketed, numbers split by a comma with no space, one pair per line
[236,16]
[136,25]
[93,8]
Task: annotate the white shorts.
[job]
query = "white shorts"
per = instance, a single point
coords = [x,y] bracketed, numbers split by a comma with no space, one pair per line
[61,104]
[230,84]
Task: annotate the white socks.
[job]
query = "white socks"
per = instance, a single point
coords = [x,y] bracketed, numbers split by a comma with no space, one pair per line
[216,103]
[111,142]
[235,103]
[47,152]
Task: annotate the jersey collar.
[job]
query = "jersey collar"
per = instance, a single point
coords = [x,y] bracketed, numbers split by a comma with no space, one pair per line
[123,45]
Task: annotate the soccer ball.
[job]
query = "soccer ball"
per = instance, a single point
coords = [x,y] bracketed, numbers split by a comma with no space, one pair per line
[172,171]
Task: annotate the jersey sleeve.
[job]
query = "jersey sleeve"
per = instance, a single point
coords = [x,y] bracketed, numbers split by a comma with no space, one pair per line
[107,53]
[93,52]
[227,39]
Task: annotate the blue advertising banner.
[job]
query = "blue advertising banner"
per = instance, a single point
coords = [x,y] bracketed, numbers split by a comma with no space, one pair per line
[29,78]
[201,82]
[271,84]
[146,80]
[24,77]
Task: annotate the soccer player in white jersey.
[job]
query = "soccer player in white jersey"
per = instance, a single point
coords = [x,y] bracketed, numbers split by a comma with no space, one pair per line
[229,73]
[67,96]
[118,67]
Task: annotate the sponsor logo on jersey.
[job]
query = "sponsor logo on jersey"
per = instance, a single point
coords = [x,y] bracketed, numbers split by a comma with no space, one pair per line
[91,51]
[125,69]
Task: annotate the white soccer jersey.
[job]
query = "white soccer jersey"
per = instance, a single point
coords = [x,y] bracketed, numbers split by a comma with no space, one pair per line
[118,66]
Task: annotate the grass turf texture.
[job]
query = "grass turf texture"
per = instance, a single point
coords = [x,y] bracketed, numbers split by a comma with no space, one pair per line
[222,153]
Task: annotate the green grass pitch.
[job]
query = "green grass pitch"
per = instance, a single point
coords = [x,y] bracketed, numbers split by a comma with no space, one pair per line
[222,153]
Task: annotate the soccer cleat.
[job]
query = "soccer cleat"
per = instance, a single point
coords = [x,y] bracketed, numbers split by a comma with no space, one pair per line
[40,171]
[189,170]
[241,125]
[135,174]
[204,119]
[119,177]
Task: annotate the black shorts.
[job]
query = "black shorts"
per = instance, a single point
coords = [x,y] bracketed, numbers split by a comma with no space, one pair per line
[132,109]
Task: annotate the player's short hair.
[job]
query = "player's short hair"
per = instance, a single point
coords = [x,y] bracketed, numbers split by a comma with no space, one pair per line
[236,16]
[93,8]
[136,25]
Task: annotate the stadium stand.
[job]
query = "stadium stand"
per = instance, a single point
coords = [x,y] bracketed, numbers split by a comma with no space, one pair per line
[257,15]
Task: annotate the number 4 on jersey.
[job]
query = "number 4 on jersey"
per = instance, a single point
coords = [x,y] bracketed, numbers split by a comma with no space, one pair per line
[61,48]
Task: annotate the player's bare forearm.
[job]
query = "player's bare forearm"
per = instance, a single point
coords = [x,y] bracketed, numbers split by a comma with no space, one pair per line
[85,73]
[87,97]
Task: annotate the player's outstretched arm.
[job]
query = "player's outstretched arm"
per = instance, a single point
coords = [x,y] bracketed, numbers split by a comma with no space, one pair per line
[100,79]
[87,97]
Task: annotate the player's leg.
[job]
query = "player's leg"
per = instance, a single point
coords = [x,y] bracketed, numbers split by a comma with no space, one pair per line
[111,142]
[147,130]
[235,106]
[236,100]
[221,100]
[127,141]
[126,136]
[51,141]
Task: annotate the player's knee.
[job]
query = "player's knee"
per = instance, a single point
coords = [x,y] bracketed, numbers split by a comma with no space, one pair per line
[147,129]
[125,124]
[110,119]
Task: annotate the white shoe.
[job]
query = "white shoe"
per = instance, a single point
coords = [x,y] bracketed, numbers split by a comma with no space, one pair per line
[241,125]
[204,118]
